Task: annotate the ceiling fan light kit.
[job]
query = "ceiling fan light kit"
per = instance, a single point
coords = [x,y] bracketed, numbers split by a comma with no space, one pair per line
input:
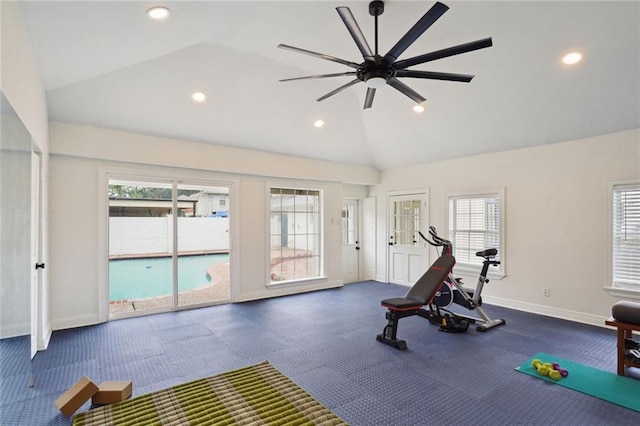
[377,71]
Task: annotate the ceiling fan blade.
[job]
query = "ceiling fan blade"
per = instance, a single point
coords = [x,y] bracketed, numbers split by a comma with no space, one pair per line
[339,89]
[368,100]
[319,55]
[356,32]
[400,86]
[428,19]
[339,74]
[444,53]
[432,75]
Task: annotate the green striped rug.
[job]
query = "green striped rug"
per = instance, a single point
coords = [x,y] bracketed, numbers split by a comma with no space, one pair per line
[254,395]
[620,390]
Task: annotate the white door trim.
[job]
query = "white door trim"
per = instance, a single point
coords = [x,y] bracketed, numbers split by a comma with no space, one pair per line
[36,232]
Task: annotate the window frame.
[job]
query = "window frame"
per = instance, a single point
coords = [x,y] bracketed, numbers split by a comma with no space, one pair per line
[321,235]
[471,269]
[624,291]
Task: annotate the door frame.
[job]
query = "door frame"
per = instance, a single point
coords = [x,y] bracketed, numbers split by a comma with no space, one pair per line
[423,193]
[36,249]
[153,174]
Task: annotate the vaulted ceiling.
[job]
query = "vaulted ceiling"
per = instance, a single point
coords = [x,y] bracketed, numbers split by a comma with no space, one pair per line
[107,64]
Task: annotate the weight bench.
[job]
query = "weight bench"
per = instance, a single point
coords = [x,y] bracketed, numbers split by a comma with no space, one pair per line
[626,318]
[422,292]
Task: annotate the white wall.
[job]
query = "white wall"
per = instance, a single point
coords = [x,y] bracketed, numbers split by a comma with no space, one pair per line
[557,231]
[368,229]
[82,156]
[15,258]
[22,86]
[556,215]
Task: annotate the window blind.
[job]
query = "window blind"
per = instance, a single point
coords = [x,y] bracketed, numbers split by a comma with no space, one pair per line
[474,225]
[626,236]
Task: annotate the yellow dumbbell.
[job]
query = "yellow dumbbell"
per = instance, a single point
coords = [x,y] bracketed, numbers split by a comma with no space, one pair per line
[543,370]
[555,375]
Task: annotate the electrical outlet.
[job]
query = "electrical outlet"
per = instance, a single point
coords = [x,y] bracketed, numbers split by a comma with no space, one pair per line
[546,292]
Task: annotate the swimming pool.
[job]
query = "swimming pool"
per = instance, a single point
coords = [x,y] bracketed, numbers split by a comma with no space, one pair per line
[152,277]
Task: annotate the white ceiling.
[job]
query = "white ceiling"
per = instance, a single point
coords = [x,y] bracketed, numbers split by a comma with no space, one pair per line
[106,64]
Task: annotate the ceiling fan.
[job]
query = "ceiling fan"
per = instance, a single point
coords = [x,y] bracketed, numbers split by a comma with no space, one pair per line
[376,71]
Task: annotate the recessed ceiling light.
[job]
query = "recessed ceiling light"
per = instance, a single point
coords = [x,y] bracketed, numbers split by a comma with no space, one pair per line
[418,108]
[158,13]
[319,123]
[572,58]
[198,97]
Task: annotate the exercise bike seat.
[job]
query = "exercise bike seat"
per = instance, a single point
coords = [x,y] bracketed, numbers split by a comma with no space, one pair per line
[425,288]
[487,253]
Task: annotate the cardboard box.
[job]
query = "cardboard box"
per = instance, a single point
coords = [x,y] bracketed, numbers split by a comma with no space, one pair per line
[76,395]
[110,392]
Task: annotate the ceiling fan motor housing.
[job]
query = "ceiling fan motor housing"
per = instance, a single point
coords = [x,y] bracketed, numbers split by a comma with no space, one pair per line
[378,68]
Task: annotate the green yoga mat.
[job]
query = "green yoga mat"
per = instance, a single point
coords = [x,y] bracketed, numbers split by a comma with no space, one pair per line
[619,390]
[254,395]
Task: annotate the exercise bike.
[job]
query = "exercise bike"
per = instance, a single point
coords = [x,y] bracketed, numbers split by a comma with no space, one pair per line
[452,291]
[435,291]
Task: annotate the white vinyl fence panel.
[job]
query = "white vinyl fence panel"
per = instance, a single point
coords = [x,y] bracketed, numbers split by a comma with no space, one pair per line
[153,235]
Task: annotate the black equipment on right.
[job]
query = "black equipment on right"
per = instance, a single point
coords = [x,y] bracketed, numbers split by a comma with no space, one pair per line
[452,290]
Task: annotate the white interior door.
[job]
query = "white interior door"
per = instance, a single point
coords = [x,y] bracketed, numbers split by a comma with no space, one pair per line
[407,253]
[350,242]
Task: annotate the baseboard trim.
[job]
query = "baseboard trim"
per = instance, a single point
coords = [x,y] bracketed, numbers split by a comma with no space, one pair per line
[287,291]
[73,322]
[43,341]
[549,311]
[15,330]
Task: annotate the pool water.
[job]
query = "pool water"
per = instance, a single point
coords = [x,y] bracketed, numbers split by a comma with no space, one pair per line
[151,277]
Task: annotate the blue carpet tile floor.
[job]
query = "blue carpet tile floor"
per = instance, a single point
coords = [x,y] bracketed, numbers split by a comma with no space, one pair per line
[325,342]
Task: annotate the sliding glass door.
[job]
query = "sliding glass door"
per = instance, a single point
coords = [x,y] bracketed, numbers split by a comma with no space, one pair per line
[203,245]
[168,246]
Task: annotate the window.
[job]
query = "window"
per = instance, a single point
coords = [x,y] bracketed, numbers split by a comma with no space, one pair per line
[349,222]
[295,234]
[626,236]
[475,224]
[406,221]
[222,202]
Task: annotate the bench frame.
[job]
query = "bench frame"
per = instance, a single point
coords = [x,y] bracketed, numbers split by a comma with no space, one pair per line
[624,331]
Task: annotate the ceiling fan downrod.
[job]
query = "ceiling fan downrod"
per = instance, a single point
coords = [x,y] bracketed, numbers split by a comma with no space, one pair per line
[376,8]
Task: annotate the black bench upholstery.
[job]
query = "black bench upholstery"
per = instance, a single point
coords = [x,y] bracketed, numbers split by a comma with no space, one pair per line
[425,288]
[422,292]
[625,311]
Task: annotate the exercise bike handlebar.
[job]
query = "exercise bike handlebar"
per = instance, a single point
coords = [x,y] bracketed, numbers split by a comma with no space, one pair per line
[437,240]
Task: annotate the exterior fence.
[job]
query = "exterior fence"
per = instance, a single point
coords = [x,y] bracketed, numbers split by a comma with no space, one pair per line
[153,235]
